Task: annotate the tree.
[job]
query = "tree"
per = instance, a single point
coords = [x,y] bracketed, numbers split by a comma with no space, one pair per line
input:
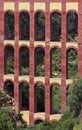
[74,98]
[5,120]
[9,117]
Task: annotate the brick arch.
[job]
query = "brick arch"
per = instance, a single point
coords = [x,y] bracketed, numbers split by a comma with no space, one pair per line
[71,47]
[71,10]
[54,120]
[9,10]
[9,44]
[55,47]
[24,10]
[24,45]
[23,80]
[55,83]
[38,120]
[55,10]
[8,79]
[39,10]
[39,82]
[39,46]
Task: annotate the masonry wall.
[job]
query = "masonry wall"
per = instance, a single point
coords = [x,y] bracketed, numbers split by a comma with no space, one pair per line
[63,6]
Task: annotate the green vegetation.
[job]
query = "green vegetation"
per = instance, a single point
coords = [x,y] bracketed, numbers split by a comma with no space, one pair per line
[56,99]
[40,93]
[72,63]
[72,119]
[10,119]
[56,62]
[75,97]
[5,120]
[10,65]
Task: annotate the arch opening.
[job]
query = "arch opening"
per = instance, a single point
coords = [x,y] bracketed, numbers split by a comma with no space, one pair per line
[39,62]
[9,88]
[24,96]
[40,97]
[72,63]
[9,25]
[9,60]
[72,27]
[55,26]
[40,26]
[55,99]
[38,121]
[24,26]
[24,61]
[55,63]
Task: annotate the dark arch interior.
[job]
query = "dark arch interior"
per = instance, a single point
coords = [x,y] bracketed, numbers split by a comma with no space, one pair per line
[39,62]
[9,88]
[72,27]
[9,60]
[39,26]
[24,96]
[38,121]
[72,63]
[40,97]
[55,99]
[55,63]
[9,25]
[24,26]
[55,26]
[24,61]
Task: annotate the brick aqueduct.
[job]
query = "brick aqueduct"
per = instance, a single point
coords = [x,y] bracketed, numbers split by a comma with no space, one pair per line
[16,44]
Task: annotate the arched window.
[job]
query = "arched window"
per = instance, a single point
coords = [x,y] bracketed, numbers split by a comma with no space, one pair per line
[24,61]
[55,99]
[39,62]
[9,60]
[24,26]
[72,63]
[9,88]
[55,63]
[24,96]
[9,25]
[39,26]
[40,97]
[72,27]
[55,26]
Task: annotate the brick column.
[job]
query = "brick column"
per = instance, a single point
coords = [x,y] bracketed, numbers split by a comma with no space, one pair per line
[31,22]
[16,58]
[47,62]
[80,39]
[47,82]
[1,45]
[63,58]
[31,82]
[31,85]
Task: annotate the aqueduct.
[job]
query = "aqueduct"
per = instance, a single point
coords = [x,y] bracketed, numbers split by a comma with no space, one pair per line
[26,40]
